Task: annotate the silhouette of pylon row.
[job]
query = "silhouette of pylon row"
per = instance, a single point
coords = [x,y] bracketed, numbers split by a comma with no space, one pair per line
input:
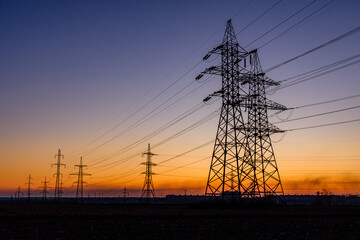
[243,163]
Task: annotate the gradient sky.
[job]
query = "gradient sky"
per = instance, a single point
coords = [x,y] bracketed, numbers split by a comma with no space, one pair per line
[70,71]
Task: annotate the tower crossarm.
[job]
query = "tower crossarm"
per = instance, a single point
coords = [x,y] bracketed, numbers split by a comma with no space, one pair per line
[267,104]
[271,128]
[214,70]
[248,77]
[148,163]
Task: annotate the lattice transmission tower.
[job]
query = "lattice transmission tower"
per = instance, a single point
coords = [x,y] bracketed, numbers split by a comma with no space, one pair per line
[242,150]
[148,190]
[18,193]
[29,183]
[260,175]
[58,174]
[80,182]
[44,188]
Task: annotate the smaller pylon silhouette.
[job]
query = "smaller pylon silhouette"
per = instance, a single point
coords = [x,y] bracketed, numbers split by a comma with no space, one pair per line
[126,194]
[58,186]
[28,183]
[18,193]
[80,182]
[148,188]
[44,188]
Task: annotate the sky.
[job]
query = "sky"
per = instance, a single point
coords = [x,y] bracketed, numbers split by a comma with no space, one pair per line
[102,79]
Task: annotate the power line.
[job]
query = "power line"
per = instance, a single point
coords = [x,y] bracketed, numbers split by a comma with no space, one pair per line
[153,99]
[293,15]
[295,82]
[260,16]
[324,125]
[319,114]
[157,131]
[184,153]
[295,25]
[329,101]
[320,14]
[175,168]
[202,44]
[347,34]
[192,126]
[317,70]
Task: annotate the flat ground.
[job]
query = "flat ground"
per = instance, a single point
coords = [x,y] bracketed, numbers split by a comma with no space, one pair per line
[72,221]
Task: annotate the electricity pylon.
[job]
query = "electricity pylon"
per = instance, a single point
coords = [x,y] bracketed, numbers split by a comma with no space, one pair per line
[80,182]
[125,192]
[28,183]
[242,148]
[58,186]
[44,188]
[260,175]
[18,193]
[148,188]
[230,146]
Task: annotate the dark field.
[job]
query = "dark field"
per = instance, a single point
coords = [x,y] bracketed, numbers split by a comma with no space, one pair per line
[71,221]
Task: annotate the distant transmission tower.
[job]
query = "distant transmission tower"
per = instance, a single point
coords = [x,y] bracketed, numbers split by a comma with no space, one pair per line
[125,192]
[58,186]
[242,149]
[18,193]
[148,188]
[28,183]
[80,182]
[44,188]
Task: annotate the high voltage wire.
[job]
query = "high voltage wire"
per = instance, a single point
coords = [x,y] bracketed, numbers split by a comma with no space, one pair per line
[279,1]
[334,100]
[157,131]
[118,162]
[347,34]
[314,71]
[156,113]
[324,125]
[241,10]
[326,11]
[184,153]
[329,101]
[287,19]
[295,129]
[154,99]
[311,77]
[295,25]
[319,114]
[260,16]
[202,44]
[175,168]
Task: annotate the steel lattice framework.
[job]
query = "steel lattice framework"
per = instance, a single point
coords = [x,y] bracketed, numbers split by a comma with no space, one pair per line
[58,185]
[243,161]
[259,174]
[80,182]
[148,190]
